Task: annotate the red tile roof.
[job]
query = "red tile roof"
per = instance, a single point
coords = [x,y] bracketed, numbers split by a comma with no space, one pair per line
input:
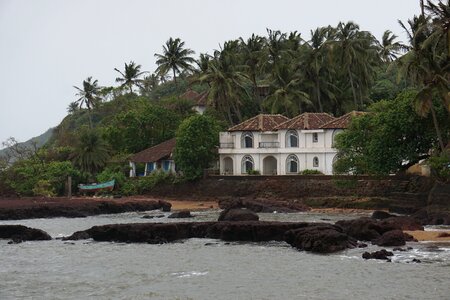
[343,121]
[155,153]
[196,98]
[190,95]
[260,123]
[306,121]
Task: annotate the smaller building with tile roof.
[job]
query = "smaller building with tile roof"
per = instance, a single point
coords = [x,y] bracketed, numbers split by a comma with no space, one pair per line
[158,157]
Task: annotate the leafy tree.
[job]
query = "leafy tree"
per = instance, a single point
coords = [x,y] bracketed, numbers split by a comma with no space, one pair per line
[175,58]
[130,76]
[197,139]
[388,139]
[141,126]
[89,96]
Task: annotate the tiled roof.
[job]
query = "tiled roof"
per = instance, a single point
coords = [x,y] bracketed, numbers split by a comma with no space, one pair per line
[190,95]
[260,123]
[343,121]
[155,153]
[196,98]
[306,121]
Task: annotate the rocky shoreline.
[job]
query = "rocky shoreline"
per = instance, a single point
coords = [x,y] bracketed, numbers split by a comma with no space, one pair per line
[31,208]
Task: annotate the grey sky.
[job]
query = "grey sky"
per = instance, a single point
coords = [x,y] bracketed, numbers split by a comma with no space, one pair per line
[48,46]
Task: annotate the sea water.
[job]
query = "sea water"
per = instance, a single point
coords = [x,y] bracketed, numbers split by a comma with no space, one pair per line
[211,269]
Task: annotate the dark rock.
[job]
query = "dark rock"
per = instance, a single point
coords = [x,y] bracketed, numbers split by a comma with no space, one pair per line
[430,217]
[381,254]
[321,238]
[22,233]
[81,210]
[152,217]
[409,238]
[262,205]
[402,222]
[363,229]
[415,260]
[181,214]
[79,235]
[165,206]
[381,215]
[15,240]
[399,249]
[362,245]
[237,214]
[390,238]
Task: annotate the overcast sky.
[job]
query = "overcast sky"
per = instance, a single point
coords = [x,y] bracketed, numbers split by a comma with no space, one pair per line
[48,46]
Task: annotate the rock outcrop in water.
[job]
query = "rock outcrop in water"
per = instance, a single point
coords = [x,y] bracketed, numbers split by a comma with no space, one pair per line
[320,238]
[80,209]
[368,229]
[238,214]
[262,205]
[19,233]
[181,215]
[381,254]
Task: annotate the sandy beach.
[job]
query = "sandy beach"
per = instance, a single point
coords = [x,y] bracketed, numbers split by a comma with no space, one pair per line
[432,236]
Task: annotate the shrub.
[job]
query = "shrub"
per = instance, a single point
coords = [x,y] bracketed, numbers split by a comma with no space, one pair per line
[44,188]
[253,172]
[440,166]
[311,172]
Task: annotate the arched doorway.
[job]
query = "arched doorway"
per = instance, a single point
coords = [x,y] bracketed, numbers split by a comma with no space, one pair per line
[270,166]
[228,166]
[247,164]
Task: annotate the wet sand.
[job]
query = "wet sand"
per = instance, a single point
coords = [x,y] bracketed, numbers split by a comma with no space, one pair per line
[432,236]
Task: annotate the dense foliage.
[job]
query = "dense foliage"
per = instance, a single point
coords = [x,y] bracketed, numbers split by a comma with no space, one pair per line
[389,138]
[196,148]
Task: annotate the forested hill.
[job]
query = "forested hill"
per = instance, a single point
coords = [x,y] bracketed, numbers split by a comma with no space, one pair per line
[37,142]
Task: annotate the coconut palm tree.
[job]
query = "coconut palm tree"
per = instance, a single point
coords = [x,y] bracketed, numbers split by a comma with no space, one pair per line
[89,96]
[286,96]
[425,67]
[440,17]
[175,58]
[130,76]
[226,84]
[315,67]
[389,48]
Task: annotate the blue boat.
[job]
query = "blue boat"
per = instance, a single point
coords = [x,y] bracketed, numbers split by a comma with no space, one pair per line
[96,187]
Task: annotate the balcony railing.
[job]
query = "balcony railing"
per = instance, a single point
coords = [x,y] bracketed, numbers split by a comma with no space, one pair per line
[227,145]
[269,145]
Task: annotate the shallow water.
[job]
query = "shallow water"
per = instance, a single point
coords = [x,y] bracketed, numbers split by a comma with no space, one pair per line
[210,269]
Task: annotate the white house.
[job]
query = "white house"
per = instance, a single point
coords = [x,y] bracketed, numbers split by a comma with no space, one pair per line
[276,145]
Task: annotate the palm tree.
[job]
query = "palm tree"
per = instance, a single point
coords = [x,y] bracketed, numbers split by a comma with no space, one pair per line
[91,152]
[356,56]
[440,14]
[253,58]
[89,96]
[425,67]
[131,76]
[226,84]
[389,48]
[286,96]
[315,66]
[174,57]
[73,107]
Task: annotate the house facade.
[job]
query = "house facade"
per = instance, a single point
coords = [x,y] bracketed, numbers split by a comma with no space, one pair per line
[276,145]
[156,158]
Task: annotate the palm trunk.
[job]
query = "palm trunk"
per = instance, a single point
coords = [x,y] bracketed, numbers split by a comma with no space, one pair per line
[436,126]
[353,87]
[318,93]
[174,76]
[90,118]
[422,8]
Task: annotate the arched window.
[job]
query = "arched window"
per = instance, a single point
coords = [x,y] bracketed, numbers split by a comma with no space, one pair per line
[247,140]
[247,164]
[291,138]
[292,164]
[315,137]
[315,162]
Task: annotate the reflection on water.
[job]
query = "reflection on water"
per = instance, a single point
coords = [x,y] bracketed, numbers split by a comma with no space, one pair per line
[211,269]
